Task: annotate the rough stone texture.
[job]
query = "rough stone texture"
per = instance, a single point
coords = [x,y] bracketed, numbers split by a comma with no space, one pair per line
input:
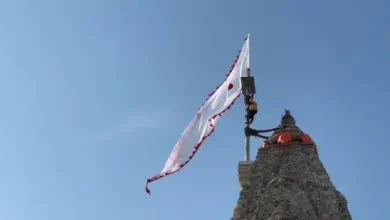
[244,168]
[289,183]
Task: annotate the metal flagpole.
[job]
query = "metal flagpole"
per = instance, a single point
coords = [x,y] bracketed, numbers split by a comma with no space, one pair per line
[247,137]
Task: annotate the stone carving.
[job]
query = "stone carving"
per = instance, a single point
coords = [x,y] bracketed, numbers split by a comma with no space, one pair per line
[289,183]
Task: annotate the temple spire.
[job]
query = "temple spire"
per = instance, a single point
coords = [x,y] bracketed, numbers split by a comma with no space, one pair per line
[287,118]
[288,180]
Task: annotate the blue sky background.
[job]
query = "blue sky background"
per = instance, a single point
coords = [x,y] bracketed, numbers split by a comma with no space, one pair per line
[95,94]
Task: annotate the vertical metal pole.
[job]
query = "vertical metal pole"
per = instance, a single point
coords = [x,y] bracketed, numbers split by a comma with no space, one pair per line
[247,137]
[247,147]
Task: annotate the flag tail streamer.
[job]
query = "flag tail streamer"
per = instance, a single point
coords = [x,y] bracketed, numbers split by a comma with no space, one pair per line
[203,123]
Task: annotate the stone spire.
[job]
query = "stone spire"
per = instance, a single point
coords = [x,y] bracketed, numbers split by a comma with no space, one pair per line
[287,119]
[288,181]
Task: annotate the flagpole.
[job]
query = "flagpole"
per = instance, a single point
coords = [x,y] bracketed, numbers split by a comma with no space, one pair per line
[247,137]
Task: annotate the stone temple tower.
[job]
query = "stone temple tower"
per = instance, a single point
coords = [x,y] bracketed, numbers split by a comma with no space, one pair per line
[288,181]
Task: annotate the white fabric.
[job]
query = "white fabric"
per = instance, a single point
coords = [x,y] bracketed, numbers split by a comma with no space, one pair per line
[207,116]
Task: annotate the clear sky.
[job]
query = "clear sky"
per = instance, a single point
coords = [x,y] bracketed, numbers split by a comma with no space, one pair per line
[95,94]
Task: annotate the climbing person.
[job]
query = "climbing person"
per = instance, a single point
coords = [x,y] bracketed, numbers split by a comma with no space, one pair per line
[251,110]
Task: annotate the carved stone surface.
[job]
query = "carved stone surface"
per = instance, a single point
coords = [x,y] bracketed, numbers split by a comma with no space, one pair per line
[244,168]
[289,183]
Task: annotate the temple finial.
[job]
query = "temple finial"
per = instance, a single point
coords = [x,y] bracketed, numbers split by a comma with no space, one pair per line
[287,118]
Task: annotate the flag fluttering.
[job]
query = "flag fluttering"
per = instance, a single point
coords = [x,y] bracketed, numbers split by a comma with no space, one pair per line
[203,123]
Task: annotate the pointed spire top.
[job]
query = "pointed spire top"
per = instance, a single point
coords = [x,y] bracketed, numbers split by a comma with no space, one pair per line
[287,118]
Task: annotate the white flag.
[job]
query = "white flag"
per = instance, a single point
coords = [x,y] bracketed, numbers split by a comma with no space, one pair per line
[205,120]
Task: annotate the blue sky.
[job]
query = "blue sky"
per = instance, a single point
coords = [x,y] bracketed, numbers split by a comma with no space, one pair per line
[96,93]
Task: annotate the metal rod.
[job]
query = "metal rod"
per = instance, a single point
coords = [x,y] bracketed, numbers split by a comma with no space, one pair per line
[247,137]
[247,148]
